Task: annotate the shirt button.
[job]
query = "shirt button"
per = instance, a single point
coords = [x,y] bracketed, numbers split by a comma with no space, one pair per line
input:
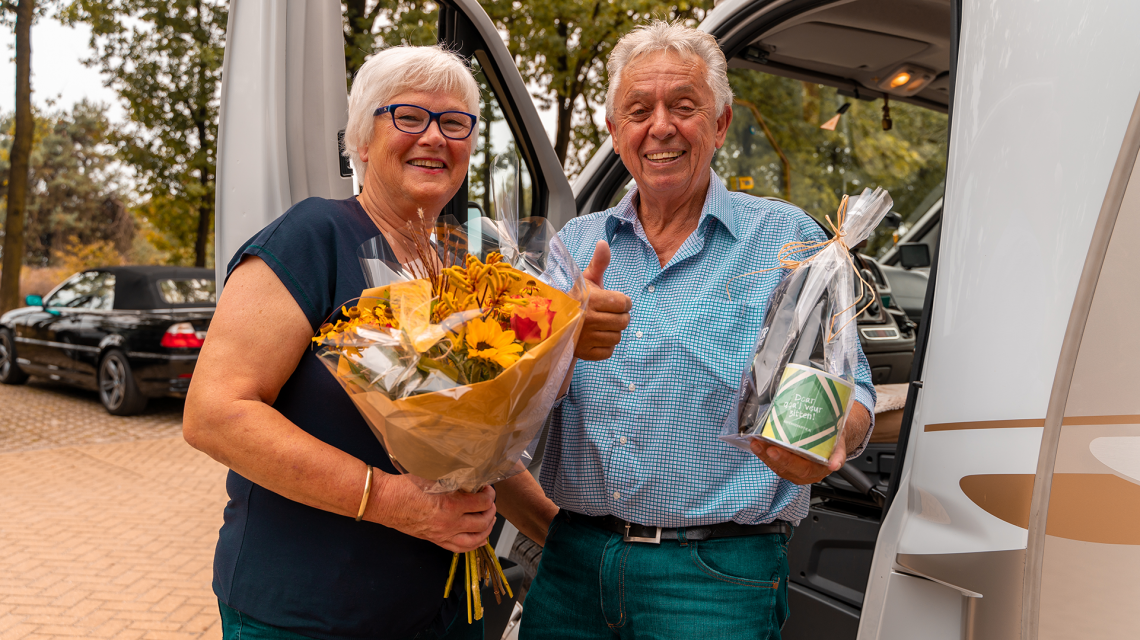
[617,495]
[651,288]
[632,387]
[639,334]
[623,440]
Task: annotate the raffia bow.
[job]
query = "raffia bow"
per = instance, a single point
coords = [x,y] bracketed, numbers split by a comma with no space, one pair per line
[787,260]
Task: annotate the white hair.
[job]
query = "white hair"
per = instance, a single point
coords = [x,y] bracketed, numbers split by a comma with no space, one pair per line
[394,71]
[660,35]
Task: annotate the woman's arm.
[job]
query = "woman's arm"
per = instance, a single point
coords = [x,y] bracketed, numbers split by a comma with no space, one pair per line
[256,338]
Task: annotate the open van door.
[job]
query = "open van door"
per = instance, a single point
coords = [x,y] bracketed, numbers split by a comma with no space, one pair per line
[284,106]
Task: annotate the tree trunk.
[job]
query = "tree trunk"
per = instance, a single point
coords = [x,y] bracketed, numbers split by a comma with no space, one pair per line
[565,122]
[200,243]
[206,202]
[18,172]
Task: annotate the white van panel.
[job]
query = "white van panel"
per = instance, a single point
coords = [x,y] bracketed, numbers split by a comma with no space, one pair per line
[1030,159]
[281,109]
[1044,93]
[922,609]
[942,519]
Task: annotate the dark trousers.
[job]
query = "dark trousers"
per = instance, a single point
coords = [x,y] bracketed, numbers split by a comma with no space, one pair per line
[238,626]
[593,585]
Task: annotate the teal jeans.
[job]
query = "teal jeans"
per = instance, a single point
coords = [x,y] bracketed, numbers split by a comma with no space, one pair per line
[593,585]
[238,626]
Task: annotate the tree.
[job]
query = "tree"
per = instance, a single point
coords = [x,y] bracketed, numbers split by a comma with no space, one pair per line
[560,46]
[19,157]
[164,59]
[563,45]
[775,138]
[75,186]
[370,25]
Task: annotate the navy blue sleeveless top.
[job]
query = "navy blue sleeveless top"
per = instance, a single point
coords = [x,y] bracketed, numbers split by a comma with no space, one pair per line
[293,566]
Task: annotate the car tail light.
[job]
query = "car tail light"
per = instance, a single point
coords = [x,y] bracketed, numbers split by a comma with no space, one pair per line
[183,336]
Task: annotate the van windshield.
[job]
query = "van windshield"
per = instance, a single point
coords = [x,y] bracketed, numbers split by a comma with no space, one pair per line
[776,147]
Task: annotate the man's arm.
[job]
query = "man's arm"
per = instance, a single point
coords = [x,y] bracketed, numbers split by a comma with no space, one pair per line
[521,501]
[800,470]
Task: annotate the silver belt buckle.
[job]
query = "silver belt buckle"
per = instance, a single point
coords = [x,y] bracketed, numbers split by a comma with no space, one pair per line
[654,540]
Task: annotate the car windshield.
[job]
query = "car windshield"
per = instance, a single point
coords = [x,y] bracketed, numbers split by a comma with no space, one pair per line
[188,291]
[88,290]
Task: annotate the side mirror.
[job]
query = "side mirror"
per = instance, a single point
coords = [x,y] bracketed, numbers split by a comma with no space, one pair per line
[34,301]
[914,255]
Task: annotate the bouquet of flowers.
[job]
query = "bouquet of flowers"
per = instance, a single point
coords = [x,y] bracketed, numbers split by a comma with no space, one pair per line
[456,359]
[798,391]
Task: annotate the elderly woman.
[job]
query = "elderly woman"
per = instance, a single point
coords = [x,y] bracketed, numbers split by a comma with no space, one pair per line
[322,537]
[664,530]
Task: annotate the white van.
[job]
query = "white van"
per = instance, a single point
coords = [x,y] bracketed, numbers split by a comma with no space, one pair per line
[1011,495]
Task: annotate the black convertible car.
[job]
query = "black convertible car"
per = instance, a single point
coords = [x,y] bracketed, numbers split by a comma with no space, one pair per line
[130,333]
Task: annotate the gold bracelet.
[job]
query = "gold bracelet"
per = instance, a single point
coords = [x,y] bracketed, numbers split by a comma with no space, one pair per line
[367,492]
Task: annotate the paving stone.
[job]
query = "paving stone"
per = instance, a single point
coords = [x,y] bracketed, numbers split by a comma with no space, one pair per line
[42,415]
[109,523]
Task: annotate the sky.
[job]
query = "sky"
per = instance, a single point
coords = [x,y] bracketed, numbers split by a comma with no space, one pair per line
[57,72]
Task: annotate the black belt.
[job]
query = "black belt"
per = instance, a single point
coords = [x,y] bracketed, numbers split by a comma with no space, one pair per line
[640,533]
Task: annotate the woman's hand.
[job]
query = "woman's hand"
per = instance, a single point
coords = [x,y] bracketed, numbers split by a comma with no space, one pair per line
[456,521]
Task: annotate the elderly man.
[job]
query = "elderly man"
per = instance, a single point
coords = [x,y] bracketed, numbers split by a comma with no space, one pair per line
[663,530]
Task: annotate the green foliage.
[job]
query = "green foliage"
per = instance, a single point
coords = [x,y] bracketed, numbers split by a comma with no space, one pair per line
[562,46]
[909,160]
[164,59]
[370,25]
[76,186]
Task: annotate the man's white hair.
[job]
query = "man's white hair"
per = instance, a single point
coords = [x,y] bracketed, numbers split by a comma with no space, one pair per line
[394,71]
[660,35]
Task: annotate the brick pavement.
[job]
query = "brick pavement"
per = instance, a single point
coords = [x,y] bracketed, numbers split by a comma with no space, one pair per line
[42,414]
[110,540]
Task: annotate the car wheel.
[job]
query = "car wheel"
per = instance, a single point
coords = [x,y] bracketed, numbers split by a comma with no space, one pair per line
[10,372]
[117,389]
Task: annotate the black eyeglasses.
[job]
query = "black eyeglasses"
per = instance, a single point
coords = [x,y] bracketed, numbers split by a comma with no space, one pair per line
[456,125]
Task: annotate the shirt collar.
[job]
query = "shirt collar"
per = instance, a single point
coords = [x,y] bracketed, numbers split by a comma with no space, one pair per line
[718,205]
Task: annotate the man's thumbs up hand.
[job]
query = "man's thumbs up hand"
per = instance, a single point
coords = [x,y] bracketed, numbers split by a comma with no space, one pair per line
[607,313]
[595,272]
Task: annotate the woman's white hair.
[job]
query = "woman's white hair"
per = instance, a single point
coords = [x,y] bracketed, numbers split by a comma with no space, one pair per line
[394,71]
[660,35]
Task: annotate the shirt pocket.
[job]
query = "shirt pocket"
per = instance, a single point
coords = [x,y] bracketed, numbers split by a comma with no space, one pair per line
[712,339]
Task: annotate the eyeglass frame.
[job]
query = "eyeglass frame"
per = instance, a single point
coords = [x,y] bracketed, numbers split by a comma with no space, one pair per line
[433,116]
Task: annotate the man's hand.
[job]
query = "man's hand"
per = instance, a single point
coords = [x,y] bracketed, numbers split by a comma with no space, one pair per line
[457,521]
[800,470]
[607,313]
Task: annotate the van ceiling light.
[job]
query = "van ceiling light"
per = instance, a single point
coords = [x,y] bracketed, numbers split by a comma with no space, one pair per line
[830,124]
[900,79]
[907,80]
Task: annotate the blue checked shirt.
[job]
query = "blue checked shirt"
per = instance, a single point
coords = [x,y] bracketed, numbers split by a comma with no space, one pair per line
[636,434]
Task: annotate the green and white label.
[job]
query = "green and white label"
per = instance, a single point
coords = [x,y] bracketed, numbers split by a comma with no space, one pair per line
[807,410]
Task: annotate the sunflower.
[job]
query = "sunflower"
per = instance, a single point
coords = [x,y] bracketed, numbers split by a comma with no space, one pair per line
[487,340]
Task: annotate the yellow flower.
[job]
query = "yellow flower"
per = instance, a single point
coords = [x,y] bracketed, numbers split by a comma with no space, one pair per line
[487,340]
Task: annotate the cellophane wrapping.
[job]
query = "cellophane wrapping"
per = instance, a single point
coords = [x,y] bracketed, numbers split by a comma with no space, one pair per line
[799,386]
[454,421]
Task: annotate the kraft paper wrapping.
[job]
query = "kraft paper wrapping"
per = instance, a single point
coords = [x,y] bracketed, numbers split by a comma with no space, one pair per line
[470,436]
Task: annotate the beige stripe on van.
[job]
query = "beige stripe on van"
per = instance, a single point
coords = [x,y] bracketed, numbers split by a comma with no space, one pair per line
[1075,421]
